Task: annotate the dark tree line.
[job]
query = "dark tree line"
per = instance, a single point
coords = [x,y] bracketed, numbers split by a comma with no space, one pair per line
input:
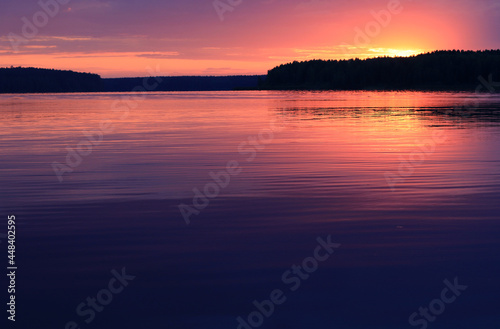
[34,80]
[439,70]
[186,83]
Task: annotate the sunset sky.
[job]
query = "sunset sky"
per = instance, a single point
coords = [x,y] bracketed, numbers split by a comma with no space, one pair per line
[190,37]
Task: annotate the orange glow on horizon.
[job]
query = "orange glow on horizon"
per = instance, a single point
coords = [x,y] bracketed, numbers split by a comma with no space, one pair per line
[233,47]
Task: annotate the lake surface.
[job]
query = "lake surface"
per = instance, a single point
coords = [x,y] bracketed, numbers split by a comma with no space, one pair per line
[210,198]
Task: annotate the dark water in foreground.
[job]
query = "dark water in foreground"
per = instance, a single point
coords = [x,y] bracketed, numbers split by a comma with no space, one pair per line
[406,183]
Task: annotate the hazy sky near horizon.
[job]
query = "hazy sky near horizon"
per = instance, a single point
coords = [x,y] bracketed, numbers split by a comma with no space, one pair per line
[190,37]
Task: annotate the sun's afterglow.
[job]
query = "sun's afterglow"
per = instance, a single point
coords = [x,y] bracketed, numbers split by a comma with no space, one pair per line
[398,52]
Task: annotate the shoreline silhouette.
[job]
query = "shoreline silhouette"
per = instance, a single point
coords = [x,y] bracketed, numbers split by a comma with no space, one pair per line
[450,70]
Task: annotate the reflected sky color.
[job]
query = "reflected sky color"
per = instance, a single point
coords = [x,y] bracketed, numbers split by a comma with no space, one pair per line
[322,173]
[325,142]
[122,38]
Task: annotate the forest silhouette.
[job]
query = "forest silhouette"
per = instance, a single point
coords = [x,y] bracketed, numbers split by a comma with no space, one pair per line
[439,70]
[34,80]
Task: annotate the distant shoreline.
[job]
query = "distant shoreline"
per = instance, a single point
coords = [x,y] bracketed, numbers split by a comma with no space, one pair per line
[439,71]
[444,90]
[485,92]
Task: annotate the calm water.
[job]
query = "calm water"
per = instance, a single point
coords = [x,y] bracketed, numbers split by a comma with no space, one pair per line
[407,183]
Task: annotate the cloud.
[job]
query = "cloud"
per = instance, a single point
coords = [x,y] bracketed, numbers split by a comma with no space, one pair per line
[88,5]
[218,71]
[349,51]
[158,55]
[314,6]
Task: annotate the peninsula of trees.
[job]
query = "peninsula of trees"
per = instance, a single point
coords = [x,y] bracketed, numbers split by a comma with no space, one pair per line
[439,70]
[33,80]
